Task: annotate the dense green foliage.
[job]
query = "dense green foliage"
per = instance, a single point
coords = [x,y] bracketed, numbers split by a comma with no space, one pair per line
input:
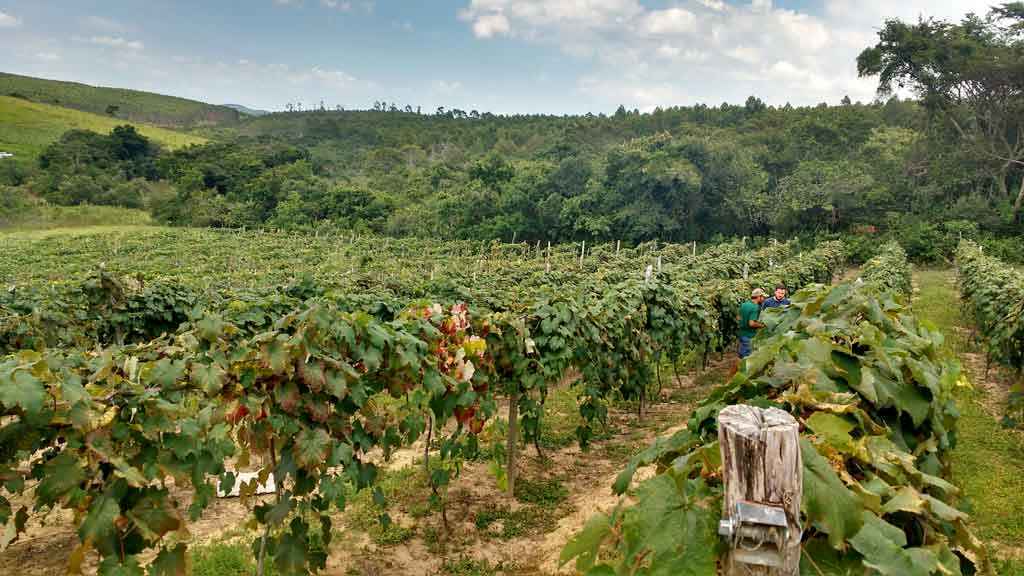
[873,392]
[677,174]
[994,293]
[889,270]
[924,172]
[966,75]
[131,105]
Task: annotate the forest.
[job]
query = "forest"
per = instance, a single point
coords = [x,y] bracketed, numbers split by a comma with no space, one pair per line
[943,161]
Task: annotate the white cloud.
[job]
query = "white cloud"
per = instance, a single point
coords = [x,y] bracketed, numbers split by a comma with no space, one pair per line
[116,42]
[716,50]
[490,25]
[344,6]
[532,17]
[672,52]
[670,22]
[446,87]
[9,21]
[716,5]
[102,24]
[48,56]
[744,54]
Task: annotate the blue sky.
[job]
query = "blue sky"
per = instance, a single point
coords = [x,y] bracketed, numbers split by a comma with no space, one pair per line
[533,56]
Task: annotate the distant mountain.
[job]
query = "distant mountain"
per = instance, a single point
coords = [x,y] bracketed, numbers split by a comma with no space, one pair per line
[246,110]
[117,103]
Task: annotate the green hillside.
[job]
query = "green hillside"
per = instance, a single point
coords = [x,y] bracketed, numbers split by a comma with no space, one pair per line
[133,105]
[28,127]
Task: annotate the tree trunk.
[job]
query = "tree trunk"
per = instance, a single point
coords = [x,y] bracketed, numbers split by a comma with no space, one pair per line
[761,463]
[1020,200]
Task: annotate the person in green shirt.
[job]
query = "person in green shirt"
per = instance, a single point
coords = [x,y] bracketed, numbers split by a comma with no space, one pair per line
[750,311]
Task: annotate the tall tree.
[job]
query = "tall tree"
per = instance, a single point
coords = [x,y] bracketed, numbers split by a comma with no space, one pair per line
[970,74]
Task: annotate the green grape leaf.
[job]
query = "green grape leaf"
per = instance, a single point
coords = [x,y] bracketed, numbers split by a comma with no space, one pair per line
[311,448]
[586,544]
[169,562]
[676,529]
[61,474]
[882,546]
[827,502]
[99,522]
[834,430]
[19,388]
[209,377]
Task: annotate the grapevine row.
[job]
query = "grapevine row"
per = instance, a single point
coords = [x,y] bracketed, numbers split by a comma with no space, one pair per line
[889,270]
[993,292]
[874,396]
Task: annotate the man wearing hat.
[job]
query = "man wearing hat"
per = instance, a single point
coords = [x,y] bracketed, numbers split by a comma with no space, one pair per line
[749,325]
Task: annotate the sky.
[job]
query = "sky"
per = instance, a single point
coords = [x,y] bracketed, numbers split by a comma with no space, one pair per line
[500,56]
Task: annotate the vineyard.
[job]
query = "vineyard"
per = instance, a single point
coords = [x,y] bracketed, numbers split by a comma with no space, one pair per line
[994,294]
[875,396]
[143,371]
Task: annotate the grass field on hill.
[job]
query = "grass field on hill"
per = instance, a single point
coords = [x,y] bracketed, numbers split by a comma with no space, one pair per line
[132,105]
[28,127]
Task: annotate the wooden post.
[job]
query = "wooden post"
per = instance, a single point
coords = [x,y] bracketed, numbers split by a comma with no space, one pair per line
[583,251]
[547,263]
[512,447]
[761,463]
[695,248]
[618,244]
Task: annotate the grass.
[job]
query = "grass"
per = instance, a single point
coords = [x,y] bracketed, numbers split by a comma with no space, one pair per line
[561,418]
[28,127]
[470,567]
[49,217]
[988,461]
[131,105]
[225,559]
[405,490]
[529,520]
[543,492]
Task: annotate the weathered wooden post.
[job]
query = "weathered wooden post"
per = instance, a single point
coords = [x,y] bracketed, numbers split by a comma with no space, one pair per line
[763,474]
